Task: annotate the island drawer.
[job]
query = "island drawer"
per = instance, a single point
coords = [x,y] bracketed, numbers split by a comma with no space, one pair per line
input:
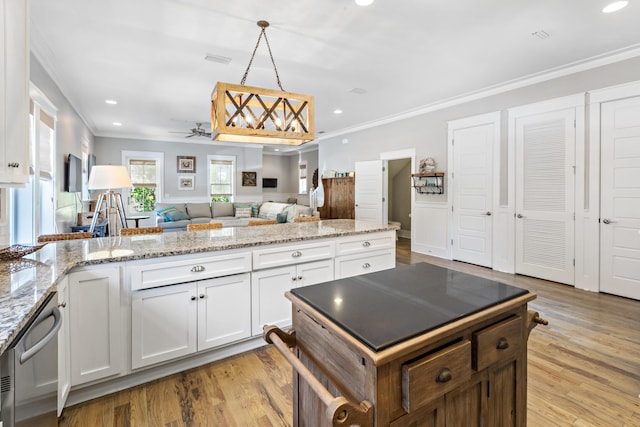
[497,342]
[292,254]
[433,375]
[368,242]
[146,276]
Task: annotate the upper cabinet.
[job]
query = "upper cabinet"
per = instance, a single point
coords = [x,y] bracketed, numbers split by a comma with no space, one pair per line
[14,92]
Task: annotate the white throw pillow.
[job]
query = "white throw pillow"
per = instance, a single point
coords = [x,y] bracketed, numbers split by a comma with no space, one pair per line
[291,213]
[243,212]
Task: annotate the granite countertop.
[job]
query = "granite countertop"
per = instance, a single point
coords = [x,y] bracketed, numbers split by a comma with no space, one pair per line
[25,283]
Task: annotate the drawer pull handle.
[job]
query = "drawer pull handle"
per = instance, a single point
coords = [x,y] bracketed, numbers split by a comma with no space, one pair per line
[294,278]
[197,268]
[366,265]
[366,244]
[503,344]
[444,376]
[299,277]
[193,298]
[201,296]
[296,254]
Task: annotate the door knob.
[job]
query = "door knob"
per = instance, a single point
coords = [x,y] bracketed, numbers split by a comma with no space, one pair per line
[608,221]
[488,213]
[519,216]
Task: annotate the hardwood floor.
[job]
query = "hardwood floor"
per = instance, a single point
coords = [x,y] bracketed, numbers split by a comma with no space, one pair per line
[584,370]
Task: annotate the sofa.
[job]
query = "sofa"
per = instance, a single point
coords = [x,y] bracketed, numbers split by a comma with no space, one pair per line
[176,216]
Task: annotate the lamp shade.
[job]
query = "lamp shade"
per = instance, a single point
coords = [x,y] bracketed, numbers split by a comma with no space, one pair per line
[108,177]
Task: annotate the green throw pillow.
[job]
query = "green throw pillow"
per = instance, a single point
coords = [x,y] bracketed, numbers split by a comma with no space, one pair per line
[162,212]
[175,216]
[281,217]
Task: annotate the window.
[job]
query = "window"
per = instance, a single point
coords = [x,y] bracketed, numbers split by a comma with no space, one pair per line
[221,174]
[302,177]
[33,206]
[143,177]
[145,170]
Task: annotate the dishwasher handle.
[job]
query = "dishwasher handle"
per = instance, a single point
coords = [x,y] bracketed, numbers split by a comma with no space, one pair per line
[26,354]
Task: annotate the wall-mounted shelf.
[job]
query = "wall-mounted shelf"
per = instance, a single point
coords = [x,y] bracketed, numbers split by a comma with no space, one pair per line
[428,183]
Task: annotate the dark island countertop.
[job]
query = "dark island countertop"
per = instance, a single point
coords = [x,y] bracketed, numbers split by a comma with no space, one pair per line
[387,307]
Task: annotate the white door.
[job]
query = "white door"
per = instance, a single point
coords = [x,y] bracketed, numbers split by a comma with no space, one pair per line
[224,310]
[311,273]
[370,197]
[545,145]
[620,198]
[473,194]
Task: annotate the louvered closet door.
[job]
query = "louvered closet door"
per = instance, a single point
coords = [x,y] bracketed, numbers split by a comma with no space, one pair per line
[545,195]
[620,199]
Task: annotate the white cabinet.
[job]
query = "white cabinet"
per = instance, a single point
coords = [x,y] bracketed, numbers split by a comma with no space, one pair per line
[268,303]
[178,320]
[96,324]
[64,362]
[364,254]
[14,92]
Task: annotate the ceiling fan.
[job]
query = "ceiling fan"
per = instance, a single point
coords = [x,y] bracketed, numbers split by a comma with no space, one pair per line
[196,131]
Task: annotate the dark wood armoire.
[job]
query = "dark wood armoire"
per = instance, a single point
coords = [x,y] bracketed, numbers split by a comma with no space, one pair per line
[339,198]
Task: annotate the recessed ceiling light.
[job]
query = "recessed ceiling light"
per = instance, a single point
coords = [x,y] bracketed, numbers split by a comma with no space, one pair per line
[364,2]
[117,124]
[217,58]
[358,90]
[111,101]
[337,111]
[615,6]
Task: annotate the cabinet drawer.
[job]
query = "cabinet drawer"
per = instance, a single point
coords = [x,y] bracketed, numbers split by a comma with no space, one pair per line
[434,375]
[368,262]
[368,242]
[292,254]
[169,273]
[497,342]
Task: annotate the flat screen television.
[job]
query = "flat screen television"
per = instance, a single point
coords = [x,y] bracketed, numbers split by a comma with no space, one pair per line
[269,182]
[73,174]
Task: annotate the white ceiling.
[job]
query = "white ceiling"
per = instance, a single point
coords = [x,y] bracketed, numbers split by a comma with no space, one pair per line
[149,54]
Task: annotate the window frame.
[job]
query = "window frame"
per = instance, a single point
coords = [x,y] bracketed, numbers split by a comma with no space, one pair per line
[216,157]
[158,157]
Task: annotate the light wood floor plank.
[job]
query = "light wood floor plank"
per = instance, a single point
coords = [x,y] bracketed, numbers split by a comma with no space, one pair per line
[584,370]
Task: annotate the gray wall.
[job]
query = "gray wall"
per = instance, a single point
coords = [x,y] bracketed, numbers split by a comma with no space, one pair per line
[71,131]
[427,133]
[109,151]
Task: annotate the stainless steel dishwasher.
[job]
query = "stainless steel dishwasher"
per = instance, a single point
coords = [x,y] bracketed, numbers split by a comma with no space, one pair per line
[29,371]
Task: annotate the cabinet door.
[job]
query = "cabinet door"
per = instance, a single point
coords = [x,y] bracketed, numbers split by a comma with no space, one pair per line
[224,310]
[64,365]
[14,92]
[502,395]
[95,329]
[311,273]
[163,324]
[268,303]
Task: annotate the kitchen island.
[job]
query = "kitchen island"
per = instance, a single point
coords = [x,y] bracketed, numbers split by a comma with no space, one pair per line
[414,345]
[141,307]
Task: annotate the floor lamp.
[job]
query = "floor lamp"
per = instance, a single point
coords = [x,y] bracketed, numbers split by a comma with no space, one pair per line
[109,178]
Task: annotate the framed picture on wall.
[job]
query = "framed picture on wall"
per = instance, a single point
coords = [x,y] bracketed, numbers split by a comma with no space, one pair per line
[186,182]
[186,164]
[249,179]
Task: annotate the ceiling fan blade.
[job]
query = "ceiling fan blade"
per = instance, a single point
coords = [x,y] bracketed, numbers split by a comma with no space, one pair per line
[189,136]
[177,132]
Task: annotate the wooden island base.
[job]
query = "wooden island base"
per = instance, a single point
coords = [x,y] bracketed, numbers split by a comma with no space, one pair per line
[469,372]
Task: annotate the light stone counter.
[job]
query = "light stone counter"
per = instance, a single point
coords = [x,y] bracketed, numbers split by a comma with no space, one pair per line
[26,283]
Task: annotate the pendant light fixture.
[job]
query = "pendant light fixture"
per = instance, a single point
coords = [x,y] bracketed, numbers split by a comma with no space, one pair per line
[242,113]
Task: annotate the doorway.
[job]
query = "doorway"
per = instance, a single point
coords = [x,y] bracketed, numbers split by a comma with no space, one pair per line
[399,196]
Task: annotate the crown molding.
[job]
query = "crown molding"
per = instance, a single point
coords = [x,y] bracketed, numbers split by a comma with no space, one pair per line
[531,79]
